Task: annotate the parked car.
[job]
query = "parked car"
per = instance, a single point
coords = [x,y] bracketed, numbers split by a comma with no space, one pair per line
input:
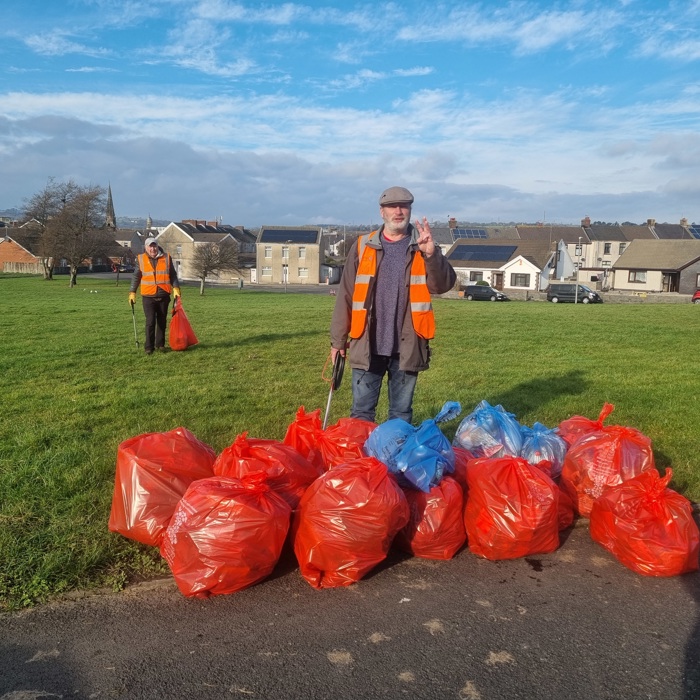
[480,292]
[696,297]
[567,293]
[122,268]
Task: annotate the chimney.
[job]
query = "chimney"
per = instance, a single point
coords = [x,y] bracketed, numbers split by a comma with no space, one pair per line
[586,221]
[452,222]
[684,222]
[651,222]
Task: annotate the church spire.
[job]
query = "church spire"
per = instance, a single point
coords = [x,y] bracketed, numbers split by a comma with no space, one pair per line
[111,220]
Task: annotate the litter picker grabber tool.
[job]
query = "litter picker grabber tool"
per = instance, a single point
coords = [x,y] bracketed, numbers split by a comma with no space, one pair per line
[133,316]
[336,378]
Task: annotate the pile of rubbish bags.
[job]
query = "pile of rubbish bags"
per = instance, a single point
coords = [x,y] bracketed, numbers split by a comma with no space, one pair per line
[341,497]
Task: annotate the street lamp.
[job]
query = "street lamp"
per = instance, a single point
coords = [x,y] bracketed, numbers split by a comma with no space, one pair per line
[579,251]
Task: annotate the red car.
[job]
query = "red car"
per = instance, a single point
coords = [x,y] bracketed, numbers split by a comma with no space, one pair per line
[696,297]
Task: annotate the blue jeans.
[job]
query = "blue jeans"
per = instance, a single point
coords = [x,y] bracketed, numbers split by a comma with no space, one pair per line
[366,385]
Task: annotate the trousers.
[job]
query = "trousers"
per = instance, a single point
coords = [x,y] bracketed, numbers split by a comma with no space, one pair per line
[367,384]
[156,311]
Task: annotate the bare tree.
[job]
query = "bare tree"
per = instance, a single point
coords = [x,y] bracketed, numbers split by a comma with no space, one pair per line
[44,206]
[73,218]
[213,258]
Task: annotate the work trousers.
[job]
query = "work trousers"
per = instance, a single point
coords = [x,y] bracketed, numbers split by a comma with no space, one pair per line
[366,386]
[156,312]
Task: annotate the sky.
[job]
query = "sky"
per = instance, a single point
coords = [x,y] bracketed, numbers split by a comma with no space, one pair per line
[291,113]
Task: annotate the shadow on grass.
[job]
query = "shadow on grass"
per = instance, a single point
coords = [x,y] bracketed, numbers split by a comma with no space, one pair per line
[531,395]
[261,339]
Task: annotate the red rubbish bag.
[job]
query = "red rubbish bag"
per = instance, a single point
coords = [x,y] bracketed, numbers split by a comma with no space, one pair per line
[153,472]
[181,333]
[436,527]
[288,473]
[226,534]
[343,442]
[346,522]
[512,509]
[602,459]
[575,427]
[302,434]
[647,526]
[462,457]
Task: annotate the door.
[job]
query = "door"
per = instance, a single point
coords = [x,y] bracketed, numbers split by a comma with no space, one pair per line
[497,281]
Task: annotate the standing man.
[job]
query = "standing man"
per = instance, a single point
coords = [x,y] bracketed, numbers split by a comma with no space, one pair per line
[383,306]
[157,277]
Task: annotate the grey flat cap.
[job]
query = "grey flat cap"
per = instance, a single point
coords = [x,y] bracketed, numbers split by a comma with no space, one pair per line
[395,195]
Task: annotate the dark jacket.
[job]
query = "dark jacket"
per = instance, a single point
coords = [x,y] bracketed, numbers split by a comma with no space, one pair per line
[414,354]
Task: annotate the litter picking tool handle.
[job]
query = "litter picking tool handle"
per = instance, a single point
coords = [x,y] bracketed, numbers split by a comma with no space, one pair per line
[133,316]
[336,378]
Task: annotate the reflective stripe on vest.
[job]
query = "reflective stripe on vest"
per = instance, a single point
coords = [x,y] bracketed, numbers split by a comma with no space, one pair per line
[152,279]
[419,297]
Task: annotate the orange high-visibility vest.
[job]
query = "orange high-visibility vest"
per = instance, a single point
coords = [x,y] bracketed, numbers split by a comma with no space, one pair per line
[419,297]
[152,279]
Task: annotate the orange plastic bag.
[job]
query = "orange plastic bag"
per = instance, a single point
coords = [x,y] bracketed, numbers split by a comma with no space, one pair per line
[575,427]
[602,459]
[302,435]
[181,333]
[342,442]
[436,527]
[647,526]
[512,509]
[153,472]
[462,458]
[288,473]
[346,522]
[226,534]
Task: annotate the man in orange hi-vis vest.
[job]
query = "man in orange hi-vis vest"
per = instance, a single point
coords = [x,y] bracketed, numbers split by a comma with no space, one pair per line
[383,307]
[157,277]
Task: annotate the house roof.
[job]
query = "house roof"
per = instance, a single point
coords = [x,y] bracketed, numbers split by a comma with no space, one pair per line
[568,234]
[605,232]
[28,238]
[442,235]
[290,234]
[671,232]
[668,255]
[493,254]
[633,232]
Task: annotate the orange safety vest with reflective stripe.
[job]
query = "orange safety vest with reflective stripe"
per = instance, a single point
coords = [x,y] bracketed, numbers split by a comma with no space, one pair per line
[419,297]
[152,279]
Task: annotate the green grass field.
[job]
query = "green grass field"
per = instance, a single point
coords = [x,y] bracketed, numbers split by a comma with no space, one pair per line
[73,386]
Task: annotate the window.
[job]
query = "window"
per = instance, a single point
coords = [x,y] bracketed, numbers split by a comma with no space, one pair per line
[606,250]
[285,252]
[606,263]
[578,250]
[302,251]
[518,279]
[476,276]
[622,248]
[178,250]
[697,282]
[268,251]
[266,272]
[303,272]
[637,276]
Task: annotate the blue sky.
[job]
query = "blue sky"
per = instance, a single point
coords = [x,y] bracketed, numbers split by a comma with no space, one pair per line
[293,113]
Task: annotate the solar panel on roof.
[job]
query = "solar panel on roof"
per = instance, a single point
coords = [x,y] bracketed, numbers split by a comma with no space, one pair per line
[274,235]
[483,253]
[469,233]
[694,231]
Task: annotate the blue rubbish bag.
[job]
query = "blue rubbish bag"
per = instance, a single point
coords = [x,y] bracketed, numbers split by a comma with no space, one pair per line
[542,443]
[418,456]
[489,431]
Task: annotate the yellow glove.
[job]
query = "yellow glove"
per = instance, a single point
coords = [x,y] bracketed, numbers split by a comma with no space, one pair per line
[132,298]
[176,292]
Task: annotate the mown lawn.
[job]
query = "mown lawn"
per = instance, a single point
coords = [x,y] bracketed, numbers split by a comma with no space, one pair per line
[73,386]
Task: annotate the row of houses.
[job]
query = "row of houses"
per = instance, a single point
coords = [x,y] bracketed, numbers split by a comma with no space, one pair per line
[648,258]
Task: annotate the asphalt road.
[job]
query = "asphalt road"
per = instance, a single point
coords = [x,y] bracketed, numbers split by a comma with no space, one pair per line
[574,624]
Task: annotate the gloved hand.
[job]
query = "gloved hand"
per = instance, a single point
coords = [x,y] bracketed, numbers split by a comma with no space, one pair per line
[176,292]
[132,298]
